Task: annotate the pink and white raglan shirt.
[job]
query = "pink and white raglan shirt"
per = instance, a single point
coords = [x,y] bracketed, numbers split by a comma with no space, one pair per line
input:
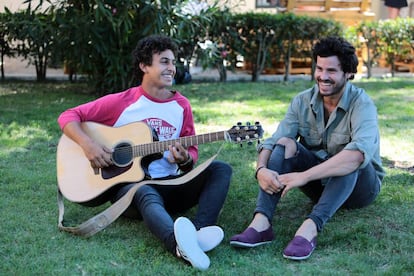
[171,118]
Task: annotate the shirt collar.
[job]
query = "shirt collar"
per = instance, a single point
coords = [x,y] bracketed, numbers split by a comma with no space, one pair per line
[344,103]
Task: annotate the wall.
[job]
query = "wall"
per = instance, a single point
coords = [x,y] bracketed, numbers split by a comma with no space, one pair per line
[377,7]
[14,5]
[241,6]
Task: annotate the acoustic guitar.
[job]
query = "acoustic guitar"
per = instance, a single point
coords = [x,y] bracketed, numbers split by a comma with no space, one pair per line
[79,182]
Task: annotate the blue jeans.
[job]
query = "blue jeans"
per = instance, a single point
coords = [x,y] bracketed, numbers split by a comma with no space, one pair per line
[355,190]
[154,203]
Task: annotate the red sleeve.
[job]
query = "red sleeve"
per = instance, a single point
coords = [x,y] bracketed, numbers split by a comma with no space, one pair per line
[188,128]
[105,110]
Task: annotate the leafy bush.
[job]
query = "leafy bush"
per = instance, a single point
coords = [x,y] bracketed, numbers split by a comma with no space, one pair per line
[95,38]
[254,34]
[265,39]
[396,39]
[35,37]
[6,49]
[369,42]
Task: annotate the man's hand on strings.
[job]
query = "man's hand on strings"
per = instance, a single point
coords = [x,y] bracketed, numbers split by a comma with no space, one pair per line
[178,154]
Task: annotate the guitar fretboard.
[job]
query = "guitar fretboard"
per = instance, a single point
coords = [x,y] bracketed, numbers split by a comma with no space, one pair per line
[160,146]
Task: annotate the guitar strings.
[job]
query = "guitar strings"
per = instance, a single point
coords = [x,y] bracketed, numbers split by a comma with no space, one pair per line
[158,146]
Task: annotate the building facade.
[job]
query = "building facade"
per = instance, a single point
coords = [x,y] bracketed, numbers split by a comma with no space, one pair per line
[377,6]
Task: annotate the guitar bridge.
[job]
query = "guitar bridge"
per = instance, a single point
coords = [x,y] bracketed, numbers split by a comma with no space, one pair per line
[96,171]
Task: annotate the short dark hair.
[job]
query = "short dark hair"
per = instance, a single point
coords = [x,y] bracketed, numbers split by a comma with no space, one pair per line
[146,47]
[337,46]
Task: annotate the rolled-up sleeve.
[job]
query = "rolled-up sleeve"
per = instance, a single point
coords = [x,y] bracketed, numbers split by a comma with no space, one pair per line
[364,134]
[288,127]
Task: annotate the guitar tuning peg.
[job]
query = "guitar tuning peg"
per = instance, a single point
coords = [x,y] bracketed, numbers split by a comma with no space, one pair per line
[248,124]
[250,143]
[239,123]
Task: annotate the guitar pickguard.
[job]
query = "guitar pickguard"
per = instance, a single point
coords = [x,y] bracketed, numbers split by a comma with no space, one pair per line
[113,171]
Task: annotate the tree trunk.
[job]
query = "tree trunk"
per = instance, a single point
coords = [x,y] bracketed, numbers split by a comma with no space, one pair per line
[41,65]
[222,71]
[2,67]
[369,63]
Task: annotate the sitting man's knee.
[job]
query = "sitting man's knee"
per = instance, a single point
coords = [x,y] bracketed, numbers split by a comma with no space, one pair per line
[290,146]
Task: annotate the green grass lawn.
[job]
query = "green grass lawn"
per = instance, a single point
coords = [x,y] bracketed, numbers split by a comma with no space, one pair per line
[377,240]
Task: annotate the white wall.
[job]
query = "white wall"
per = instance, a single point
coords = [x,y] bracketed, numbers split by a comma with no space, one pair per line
[238,5]
[380,9]
[409,11]
[377,7]
[14,5]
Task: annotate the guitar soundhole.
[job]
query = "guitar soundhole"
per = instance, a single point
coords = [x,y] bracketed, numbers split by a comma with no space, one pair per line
[122,155]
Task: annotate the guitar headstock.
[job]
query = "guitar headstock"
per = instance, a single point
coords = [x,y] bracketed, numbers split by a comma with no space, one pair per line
[240,133]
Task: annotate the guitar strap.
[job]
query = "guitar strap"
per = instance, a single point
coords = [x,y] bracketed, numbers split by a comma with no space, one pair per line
[106,217]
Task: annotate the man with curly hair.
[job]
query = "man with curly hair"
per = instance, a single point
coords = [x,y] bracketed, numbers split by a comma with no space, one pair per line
[170,116]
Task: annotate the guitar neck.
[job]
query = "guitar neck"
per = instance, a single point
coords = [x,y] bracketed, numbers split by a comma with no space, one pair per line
[160,146]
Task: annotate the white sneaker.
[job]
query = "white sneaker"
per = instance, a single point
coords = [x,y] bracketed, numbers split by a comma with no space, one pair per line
[187,244]
[209,237]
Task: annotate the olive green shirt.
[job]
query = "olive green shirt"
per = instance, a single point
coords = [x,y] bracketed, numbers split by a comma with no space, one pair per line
[353,125]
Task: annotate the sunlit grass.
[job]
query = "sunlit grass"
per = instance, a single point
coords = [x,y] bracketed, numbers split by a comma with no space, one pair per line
[375,240]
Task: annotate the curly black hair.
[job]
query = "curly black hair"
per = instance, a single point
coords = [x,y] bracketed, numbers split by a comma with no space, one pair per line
[337,46]
[146,47]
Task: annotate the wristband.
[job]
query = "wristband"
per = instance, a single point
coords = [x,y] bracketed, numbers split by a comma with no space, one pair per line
[187,162]
[257,171]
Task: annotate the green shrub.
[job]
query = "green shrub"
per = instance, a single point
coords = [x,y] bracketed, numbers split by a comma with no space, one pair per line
[267,39]
[95,38]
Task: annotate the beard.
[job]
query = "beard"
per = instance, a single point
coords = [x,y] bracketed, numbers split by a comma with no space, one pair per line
[330,88]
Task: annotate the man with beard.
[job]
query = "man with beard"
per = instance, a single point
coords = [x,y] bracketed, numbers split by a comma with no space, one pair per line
[327,145]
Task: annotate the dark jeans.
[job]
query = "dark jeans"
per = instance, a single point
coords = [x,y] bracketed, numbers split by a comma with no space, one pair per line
[355,190]
[155,203]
